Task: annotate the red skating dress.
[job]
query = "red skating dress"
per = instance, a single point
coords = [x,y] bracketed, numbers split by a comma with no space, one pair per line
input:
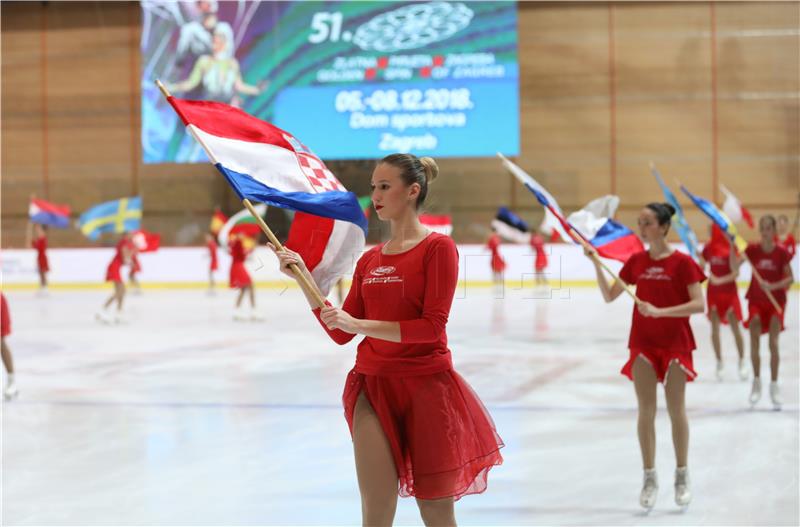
[662,283]
[113,273]
[788,243]
[721,297]
[498,264]
[537,243]
[239,277]
[5,317]
[40,244]
[770,266]
[442,438]
[212,252]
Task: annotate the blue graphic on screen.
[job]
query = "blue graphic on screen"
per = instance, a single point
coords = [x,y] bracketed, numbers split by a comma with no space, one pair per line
[352,80]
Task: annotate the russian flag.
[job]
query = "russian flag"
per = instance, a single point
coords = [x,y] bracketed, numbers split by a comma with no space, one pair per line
[719,218]
[610,239]
[266,164]
[46,213]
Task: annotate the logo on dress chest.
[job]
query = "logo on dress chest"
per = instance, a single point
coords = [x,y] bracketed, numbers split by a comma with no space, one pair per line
[382,275]
[655,273]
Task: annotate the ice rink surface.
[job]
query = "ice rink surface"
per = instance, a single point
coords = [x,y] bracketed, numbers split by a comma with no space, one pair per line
[181,416]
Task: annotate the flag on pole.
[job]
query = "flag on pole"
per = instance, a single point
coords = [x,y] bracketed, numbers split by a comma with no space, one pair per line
[242,223]
[441,223]
[121,215]
[510,226]
[734,209]
[365,202]
[217,221]
[678,219]
[611,239]
[46,213]
[551,217]
[719,218]
[146,242]
[266,164]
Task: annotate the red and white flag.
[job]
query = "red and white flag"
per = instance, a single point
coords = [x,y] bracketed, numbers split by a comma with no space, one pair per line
[734,209]
[266,164]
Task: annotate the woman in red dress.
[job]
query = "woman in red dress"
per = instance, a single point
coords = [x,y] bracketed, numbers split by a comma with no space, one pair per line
[213,264]
[10,391]
[39,243]
[773,265]
[240,278]
[540,264]
[722,296]
[122,256]
[661,340]
[415,422]
[497,262]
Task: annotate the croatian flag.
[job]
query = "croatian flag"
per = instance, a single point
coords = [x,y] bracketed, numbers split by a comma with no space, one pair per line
[719,218]
[734,209]
[266,164]
[46,213]
[552,218]
[611,239]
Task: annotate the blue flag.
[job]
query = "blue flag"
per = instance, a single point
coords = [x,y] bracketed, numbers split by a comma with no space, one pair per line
[122,215]
[678,220]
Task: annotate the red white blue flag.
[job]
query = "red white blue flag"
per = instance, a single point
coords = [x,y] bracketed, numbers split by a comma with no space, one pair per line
[266,164]
[46,213]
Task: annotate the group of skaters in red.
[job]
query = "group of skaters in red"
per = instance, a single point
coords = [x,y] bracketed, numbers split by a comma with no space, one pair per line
[405,405]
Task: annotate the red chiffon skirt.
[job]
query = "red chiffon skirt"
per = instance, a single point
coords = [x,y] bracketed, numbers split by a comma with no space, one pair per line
[765,311]
[42,263]
[113,272]
[722,303]
[442,438]
[660,360]
[239,276]
[498,264]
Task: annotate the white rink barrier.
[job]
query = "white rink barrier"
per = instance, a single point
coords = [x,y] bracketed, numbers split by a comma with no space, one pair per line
[188,266]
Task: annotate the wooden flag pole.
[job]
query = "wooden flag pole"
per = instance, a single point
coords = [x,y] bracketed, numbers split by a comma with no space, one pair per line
[304,282]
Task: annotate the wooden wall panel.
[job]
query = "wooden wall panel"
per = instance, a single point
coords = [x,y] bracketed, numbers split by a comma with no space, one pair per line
[710,95]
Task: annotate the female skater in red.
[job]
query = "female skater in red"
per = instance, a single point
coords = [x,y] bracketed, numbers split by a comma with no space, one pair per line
[122,257]
[213,264]
[539,266]
[661,340]
[722,296]
[240,278]
[414,421]
[773,265]
[497,263]
[10,390]
[39,242]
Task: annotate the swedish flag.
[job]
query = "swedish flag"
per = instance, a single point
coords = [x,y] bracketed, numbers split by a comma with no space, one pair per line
[122,215]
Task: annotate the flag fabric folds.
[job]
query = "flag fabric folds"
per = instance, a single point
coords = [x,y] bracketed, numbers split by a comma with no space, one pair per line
[510,226]
[46,213]
[266,164]
[441,223]
[146,242]
[734,209]
[678,219]
[719,218]
[610,238]
[551,217]
[121,215]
